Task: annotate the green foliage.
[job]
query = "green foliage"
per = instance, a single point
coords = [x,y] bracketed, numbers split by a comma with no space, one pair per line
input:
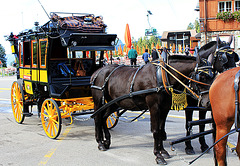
[236,15]
[3,56]
[194,25]
[225,16]
[190,26]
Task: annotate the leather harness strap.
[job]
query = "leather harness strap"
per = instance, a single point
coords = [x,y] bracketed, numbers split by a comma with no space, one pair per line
[177,78]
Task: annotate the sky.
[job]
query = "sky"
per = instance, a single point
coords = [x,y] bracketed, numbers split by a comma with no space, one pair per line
[17,15]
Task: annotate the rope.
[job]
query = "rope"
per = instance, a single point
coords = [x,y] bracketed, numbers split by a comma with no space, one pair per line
[194,94]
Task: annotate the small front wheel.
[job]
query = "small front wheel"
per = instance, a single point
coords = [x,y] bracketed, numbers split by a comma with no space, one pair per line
[17,102]
[51,118]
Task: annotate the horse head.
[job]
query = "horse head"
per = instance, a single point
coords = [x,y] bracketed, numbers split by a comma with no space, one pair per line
[224,58]
[214,57]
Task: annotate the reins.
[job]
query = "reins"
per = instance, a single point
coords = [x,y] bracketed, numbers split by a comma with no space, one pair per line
[159,64]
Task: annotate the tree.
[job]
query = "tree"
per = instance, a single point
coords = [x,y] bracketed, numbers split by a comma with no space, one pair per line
[194,25]
[3,56]
[197,26]
[190,26]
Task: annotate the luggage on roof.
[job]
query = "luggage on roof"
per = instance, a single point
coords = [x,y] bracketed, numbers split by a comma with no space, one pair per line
[85,23]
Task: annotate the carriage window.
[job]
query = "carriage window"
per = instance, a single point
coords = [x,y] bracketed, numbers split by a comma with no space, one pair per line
[26,54]
[43,52]
[21,54]
[34,53]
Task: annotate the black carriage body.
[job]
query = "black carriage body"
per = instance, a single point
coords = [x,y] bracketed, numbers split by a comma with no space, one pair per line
[50,56]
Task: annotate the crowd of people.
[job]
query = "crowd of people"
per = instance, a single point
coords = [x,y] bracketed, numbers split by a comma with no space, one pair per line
[155,55]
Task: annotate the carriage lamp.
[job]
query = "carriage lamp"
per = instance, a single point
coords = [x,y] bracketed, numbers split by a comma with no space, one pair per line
[74,43]
[45,88]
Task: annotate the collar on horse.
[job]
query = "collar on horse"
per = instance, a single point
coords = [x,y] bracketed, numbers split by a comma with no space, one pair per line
[162,65]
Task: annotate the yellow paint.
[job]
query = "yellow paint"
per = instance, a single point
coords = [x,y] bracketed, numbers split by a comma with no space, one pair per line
[51,152]
[34,75]
[13,49]
[5,89]
[28,87]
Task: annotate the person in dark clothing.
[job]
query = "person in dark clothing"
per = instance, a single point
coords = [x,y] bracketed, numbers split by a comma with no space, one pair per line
[146,56]
[154,54]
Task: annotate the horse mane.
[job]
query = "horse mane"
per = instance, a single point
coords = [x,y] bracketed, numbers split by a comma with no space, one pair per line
[181,57]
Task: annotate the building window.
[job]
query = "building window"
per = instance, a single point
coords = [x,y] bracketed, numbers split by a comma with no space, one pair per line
[225,6]
[237,5]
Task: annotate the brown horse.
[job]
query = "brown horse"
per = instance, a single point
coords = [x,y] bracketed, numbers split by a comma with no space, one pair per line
[158,103]
[222,97]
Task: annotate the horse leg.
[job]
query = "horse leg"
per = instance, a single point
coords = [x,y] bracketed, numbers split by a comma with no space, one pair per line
[155,128]
[204,146]
[220,148]
[163,134]
[188,149]
[107,140]
[99,126]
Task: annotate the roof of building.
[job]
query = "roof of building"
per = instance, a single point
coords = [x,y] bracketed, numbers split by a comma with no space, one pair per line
[165,33]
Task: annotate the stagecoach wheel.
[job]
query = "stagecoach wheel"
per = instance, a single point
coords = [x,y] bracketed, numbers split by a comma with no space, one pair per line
[51,118]
[17,101]
[112,120]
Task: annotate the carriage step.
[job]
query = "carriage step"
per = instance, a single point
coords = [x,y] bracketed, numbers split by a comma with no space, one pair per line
[190,137]
[28,114]
[199,122]
[81,113]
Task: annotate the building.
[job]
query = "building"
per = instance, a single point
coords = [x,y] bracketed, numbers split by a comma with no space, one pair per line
[217,17]
[178,39]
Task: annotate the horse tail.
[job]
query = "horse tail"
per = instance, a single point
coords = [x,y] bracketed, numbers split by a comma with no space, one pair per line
[214,139]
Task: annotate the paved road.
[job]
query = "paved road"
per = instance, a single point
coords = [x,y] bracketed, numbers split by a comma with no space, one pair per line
[132,143]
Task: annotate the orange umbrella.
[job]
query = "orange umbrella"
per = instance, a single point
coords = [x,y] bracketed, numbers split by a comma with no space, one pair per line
[87,54]
[124,48]
[127,38]
[157,47]
[115,51]
[106,55]
[152,45]
[120,52]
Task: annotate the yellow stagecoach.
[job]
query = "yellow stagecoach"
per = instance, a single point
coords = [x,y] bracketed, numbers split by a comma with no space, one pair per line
[55,62]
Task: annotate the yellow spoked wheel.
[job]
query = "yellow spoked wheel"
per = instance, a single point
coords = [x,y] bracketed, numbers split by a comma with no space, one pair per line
[17,99]
[112,120]
[51,118]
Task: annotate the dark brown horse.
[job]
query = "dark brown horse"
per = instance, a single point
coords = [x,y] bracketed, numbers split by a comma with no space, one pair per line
[158,103]
[215,55]
[222,98]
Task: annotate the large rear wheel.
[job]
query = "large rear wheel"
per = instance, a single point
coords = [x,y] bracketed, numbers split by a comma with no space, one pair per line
[51,118]
[17,101]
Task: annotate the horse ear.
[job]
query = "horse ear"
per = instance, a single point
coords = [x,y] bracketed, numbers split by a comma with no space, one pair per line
[210,58]
[230,39]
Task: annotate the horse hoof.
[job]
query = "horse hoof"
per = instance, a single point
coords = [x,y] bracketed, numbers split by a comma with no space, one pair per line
[165,154]
[204,148]
[102,148]
[107,144]
[189,151]
[161,161]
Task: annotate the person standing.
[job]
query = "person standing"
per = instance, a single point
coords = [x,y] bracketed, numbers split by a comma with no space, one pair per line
[132,55]
[187,50]
[146,56]
[154,54]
